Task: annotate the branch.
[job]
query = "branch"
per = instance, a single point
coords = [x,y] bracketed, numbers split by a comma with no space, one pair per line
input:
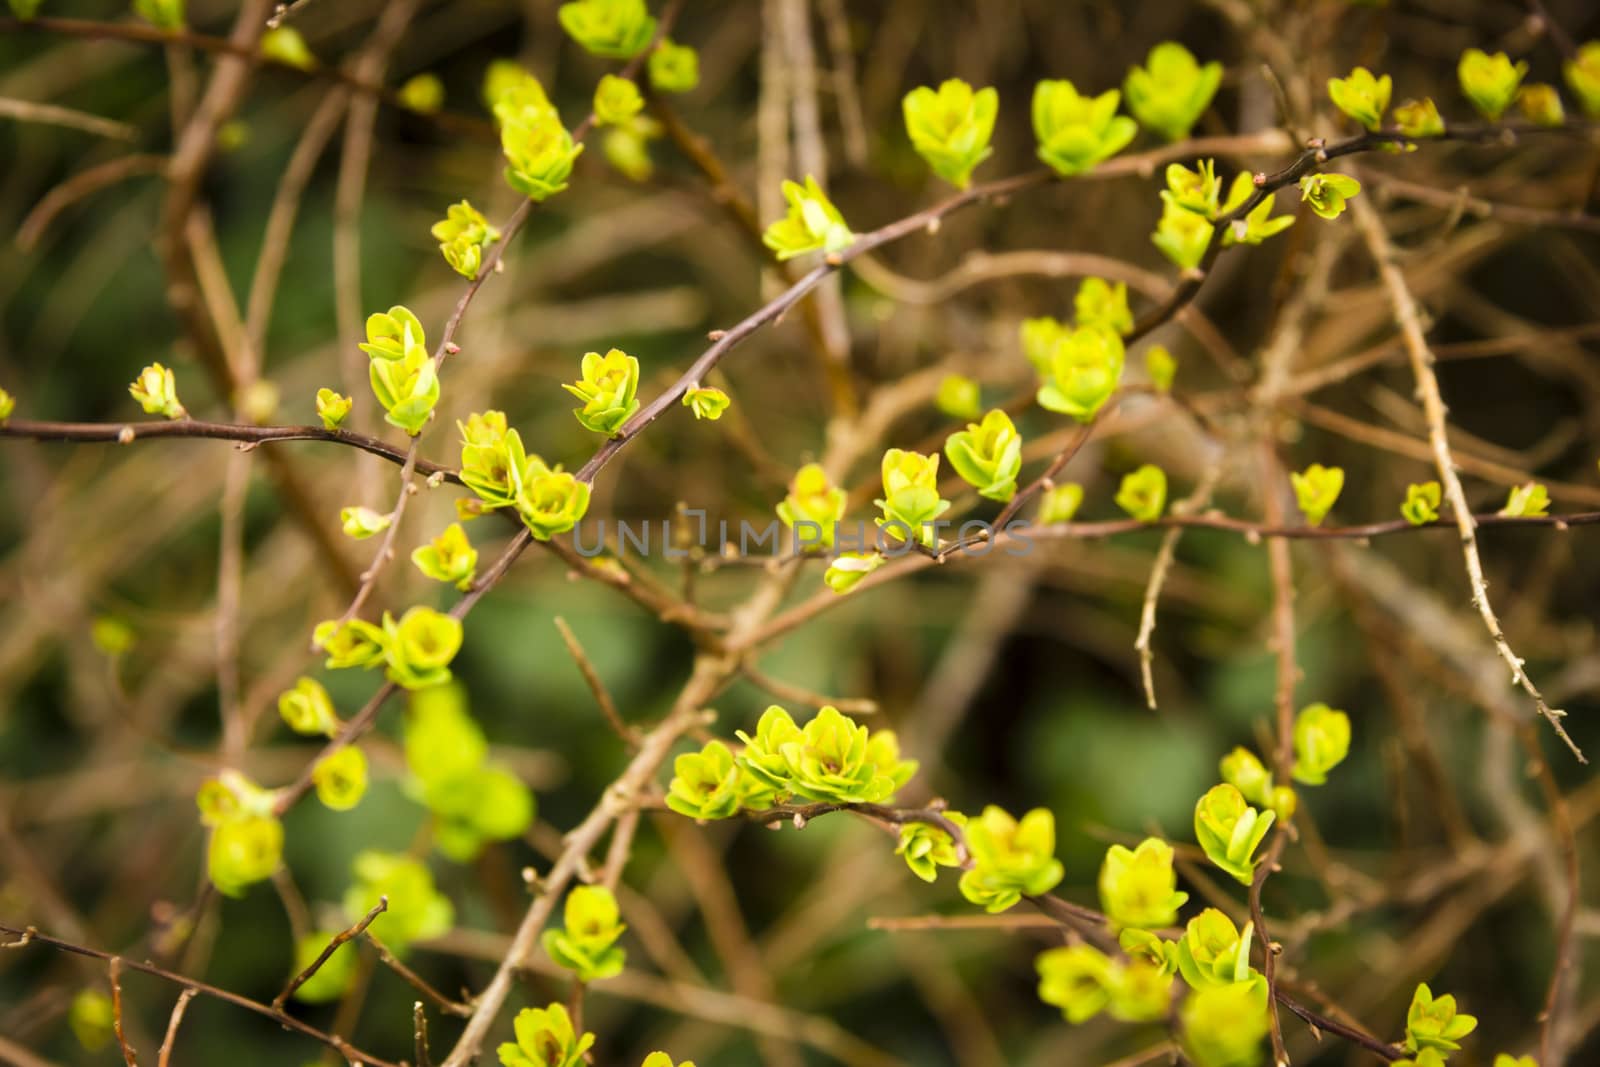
[328,950]
[126,433]
[32,936]
[1410,320]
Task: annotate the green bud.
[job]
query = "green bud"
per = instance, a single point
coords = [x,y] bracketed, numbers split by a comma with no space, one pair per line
[111,635]
[1138,887]
[1010,858]
[333,978]
[812,223]
[837,760]
[307,709]
[1316,489]
[392,334]
[706,403]
[815,501]
[353,644]
[1327,193]
[1361,96]
[1505,1059]
[333,408]
[1527,501]
[1229,830]
[552,500]
[1214,952]
[1422,503]
[926,847]
[163,14]
[1433,1022]
[763,757]
[1077,132]
[1172,90]
[1077,979]
[1143,493]
[494,463]
[92,1018]
[8,404]
[951,127]
[1160,367]
[449,557]
[629,151]
[156,390]
[661,1059]
[285,45]
[1243,770]
[25,10]
[1583,78]
[361,523]
[231,795]
[705,784]
[1084,371]
[911,499]
[1490,82]
[1039,337]
[1100,303]
[1182,235]
[1419,118]
[540,150]
[616,101]
[419,647]
[416,912]
[1149,948]
[674,68]
[1541,105]
[341,778]
[1321,742]
[243,851]
[1257,225]
[463,234]
[587,946]
[545,1037]
[510,90]
[988,455]
[607,390]
[422,93]
[1141,992]
[1198,190]
[959,397]
[847,569]
[1223,1026]
[615,29]
[407,387]
[1060,503]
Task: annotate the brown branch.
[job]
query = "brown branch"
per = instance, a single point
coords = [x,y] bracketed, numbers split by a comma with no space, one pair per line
[415,980]
[176,1020]
[327,952]
[128,432]
[597,685]
[115,969]
[141,33]
[338,1044]
[1409,318]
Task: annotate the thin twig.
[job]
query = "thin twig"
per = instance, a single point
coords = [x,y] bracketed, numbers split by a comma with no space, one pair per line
[115,970]
[798,694]
[1410,320]
[597,686]
[172,1026]
[415,980]
[328,950]
[419,1024]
